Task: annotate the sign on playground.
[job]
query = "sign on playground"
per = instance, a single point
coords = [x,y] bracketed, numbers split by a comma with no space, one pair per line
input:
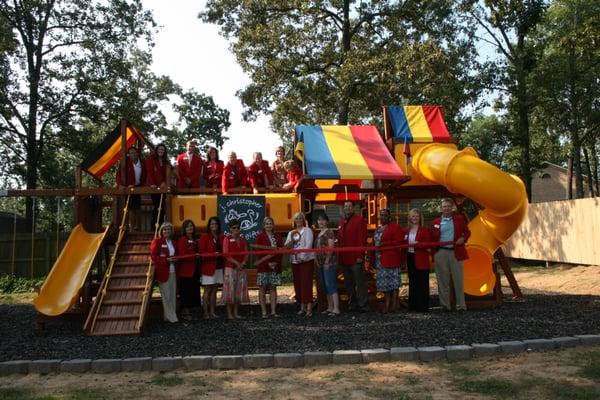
[249,210]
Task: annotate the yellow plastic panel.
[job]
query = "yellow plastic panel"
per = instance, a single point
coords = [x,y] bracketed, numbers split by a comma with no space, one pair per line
[61,288]
[416,178]
[199,208]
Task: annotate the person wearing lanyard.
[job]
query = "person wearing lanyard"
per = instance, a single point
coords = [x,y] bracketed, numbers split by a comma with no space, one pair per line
[417,262]
[212,267]
[162,251]
[448,259]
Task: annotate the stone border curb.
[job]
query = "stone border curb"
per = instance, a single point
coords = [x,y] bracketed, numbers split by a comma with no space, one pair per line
[294,360]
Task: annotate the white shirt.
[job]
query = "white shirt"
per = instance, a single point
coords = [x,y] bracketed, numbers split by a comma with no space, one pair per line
[190,156]
[137,170]
[305,242]
[171,254]
[411,239]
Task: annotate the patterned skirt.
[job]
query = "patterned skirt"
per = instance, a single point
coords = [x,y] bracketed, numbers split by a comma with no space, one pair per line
[235,286]
[268,279]
[388,279]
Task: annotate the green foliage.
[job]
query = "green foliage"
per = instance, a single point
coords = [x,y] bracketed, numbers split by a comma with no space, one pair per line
[316,62]
[13,284]
[492,387]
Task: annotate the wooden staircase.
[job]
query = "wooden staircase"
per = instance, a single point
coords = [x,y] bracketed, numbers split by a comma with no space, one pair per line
[121,304]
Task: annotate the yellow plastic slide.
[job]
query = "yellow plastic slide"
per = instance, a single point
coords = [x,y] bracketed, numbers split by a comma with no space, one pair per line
[61,288]
[502,195]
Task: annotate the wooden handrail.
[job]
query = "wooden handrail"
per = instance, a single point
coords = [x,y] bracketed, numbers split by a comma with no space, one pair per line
[102,289]
[150,272]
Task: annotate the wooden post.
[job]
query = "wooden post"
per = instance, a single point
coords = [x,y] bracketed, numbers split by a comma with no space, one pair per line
[508,273]
[123,166]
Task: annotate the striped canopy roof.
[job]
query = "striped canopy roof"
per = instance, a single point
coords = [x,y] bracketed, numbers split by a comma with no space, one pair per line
[108,152]
[345,152]
[417,124]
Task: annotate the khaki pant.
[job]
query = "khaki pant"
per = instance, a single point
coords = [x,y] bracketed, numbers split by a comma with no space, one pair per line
[168,293]
[356,287]
[446,265]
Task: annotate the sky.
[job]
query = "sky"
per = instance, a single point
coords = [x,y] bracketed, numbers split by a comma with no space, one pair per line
[196,57]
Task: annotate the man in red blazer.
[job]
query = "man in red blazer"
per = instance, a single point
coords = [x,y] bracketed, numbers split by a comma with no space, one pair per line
[135,176]
[260,174]
[189,167]
[234,174]
[353,232]
[449,258]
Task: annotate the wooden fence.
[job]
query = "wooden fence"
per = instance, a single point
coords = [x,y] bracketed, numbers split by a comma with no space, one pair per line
[560,231]
[16,256]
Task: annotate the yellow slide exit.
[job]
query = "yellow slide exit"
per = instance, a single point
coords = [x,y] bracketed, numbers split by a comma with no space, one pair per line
[502,195]
[61,288]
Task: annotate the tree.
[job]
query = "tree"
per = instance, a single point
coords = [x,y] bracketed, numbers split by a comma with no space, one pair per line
[568,83]
[69,70]
[323,62]
[508,26]
[62,48]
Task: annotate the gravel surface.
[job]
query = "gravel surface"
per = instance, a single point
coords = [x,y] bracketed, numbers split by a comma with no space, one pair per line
[540,316]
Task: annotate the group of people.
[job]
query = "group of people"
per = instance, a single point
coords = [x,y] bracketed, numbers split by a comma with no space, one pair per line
[193,172]
[394,246]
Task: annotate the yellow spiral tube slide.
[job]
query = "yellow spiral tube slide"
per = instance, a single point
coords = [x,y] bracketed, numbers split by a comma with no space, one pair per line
[502,196]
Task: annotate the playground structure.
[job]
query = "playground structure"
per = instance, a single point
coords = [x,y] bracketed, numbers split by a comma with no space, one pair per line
[345,163]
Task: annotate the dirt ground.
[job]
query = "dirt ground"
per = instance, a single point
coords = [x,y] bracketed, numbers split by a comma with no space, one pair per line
[566,374]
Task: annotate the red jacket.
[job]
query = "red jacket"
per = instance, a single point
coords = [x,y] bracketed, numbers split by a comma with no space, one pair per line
[460,229]
[185,170]
[186,266]
[230,245]
[422,261]
[206,244]
[392,235]
[293,177]
[263,240]
[213,173]
[257,174]
[131,174]
[352,233]
[159,251]
[156,174]
[232,178]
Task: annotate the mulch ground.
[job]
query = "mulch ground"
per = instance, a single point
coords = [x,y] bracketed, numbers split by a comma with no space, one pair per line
[540,316]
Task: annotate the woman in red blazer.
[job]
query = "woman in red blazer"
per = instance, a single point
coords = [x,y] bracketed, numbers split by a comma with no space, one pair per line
[212,267]
[213,168]
[158,172]
[268,267]
[417,261]
[187,271]
[162,251]
[387,262]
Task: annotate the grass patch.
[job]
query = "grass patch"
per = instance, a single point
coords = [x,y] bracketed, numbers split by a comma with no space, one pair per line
[15,394]
[412,380]
[492,387]
[591,366]
[90,394]
[568,391]
[167,380]
[465,371]
[380,393]
[17,298]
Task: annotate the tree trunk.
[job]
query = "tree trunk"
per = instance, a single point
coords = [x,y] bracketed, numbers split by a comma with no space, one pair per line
[570,178]
[574,125]
[344,100]
[588,171]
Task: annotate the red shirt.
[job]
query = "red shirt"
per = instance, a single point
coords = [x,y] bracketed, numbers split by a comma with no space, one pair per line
[187,170]
[230,245]
[207,244]
[392,235]
[186,266]
[352,233]
[263,240]
[234,177]
[422,261]
[460,229]
[156,174]
[159,252]
[131,174]
[213,170]
[259,174]
[293,177]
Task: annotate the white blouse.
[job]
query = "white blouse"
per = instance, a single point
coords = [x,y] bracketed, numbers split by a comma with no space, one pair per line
[305,242]
[171,254]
